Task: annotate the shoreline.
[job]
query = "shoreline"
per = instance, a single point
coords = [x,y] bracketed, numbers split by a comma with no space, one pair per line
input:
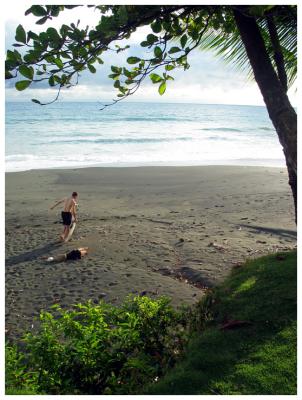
[277,164]
[171,231]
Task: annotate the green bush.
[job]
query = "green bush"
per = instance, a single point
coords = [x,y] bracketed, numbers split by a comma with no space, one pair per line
[98,349]
[16,374]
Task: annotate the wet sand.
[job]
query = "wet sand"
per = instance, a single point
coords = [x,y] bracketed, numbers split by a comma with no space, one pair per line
[173,231]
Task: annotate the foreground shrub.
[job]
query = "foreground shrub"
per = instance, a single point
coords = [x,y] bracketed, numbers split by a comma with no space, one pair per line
[98,349]
[17,375]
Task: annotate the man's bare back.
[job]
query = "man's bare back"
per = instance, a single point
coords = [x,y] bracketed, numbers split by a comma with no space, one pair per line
[70,205]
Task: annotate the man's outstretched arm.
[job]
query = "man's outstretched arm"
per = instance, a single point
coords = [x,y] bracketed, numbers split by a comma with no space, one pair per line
[56,204]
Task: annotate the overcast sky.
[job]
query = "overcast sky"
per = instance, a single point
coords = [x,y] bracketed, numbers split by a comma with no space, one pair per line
[209,80]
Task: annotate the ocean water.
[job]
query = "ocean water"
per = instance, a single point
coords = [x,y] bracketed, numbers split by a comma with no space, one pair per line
[63,135]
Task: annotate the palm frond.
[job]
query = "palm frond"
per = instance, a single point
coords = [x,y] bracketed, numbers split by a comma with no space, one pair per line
[230,47]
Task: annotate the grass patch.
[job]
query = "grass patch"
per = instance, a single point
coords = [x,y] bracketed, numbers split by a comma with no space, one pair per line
[256,356]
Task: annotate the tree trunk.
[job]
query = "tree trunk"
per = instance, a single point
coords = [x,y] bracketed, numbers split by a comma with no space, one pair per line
[281,112]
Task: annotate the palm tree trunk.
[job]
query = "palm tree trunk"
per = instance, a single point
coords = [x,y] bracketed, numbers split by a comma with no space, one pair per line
[281,112]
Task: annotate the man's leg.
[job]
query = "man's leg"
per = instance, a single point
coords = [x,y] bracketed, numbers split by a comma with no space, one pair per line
[60,258]
[62,236]
[66,232]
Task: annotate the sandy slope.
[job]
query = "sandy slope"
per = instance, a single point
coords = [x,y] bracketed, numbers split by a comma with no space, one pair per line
[159,231]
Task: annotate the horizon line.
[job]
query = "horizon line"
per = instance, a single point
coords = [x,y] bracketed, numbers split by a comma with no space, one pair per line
[144,101]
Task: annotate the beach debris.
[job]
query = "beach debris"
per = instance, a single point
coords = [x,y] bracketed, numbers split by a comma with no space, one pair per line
[217,246]
[158,221]
[195,278]
[180,242]
[196,260]
[280,257]
[165,271]
[234,324]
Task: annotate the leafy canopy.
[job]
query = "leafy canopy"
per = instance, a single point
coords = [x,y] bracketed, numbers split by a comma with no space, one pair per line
[60,56]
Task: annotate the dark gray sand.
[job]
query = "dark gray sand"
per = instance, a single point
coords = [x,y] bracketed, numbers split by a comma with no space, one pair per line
[171,231]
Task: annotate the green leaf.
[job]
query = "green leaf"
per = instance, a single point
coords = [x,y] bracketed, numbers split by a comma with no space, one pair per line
[183,40]
[144,43]
[195,34]
[8,75]
[31,57]
[167,25]
[158,52]
[21,85]
[10,55]
[115,69]
[53,34]
[50,59]
[155,78]
[18,56]
[127,73]
[114,76]
[57,78]
[32,35]
[117,84]
[83,52]
[38,11]
[55,11]
[91,68]
[35,101]
[38,46]
[59,63]
[51,81]
[174,50]
[169,67]
[151,38]
[20,34]
[156,27]
[133,60]
[162,88]
[26,71]
[64,54]
[42,21]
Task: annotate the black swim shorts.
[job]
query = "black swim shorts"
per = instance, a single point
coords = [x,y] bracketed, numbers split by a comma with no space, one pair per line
[66,217]
[73,255]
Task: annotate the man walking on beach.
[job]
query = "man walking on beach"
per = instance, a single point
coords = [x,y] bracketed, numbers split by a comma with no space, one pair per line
[68,214]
